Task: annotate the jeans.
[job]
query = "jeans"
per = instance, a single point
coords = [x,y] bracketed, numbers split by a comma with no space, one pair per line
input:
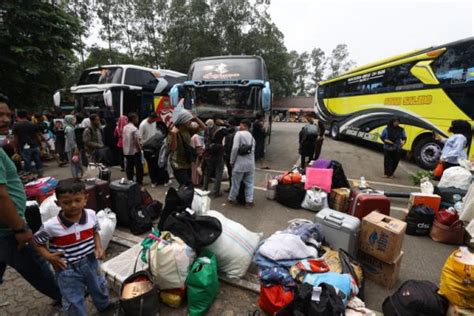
[152,162]
[248,179]
[32,154]
[134,163]
[32,267]
[73,281]
[216,166]
[183,176]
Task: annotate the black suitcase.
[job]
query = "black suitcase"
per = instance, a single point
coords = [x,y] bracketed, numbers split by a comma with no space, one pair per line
[124,198]
[98,194]
[105,174]
[33,216]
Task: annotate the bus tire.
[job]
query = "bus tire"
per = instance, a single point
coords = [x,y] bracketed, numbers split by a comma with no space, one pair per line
[427,152]
[334,131]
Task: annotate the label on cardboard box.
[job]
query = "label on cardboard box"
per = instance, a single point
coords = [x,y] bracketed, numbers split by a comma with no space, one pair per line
[382,273]
[382,236]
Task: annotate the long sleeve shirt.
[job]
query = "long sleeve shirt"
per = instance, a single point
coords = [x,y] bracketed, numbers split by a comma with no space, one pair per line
[243,163]
[454,149]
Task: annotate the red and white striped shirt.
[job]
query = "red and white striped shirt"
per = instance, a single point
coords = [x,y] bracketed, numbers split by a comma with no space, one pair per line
[74,240]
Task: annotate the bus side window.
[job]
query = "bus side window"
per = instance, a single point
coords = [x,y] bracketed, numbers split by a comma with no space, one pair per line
[452,66]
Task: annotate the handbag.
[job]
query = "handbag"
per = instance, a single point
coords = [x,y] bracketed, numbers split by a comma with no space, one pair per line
[145,303]
[453,234]
[245,149]
[272,183]
[438,170]
[315,200]
[321,178]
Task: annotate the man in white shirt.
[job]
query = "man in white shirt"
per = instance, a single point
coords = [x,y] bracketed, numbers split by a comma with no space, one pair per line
[132,149]
[146,131]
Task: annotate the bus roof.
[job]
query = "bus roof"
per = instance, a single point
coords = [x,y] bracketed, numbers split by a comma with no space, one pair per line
[228,57]
[401,57]
[166,72]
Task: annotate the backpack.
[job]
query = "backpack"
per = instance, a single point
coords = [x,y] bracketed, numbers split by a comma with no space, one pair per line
[419,220]
[140,221]
[415,298]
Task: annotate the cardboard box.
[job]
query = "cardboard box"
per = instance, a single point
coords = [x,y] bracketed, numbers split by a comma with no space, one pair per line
[339,199]
[382,236]
[430,200]
[454,310]
[403,214]
[382,273]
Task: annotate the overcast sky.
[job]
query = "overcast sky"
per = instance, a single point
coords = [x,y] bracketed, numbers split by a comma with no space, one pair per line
[372,29]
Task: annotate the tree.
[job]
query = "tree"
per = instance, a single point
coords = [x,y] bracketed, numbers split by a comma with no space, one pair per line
[299,64]
[339,61]
[318,65]
[37,42]
[101,56]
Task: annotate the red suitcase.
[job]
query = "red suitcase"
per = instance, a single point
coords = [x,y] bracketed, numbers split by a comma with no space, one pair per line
[364,202]
[99,194]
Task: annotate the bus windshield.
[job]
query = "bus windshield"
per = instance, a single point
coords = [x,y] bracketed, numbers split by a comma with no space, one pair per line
[101,76]
[227,69]
[240,101]
[91,100]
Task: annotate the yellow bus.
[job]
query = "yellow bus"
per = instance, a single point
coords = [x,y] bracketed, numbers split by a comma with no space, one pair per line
[426,89]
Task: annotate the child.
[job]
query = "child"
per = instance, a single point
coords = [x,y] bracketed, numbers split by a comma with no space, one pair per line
[74,247]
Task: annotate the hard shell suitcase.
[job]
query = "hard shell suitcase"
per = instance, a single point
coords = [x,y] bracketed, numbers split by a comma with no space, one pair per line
[125,196]
[364,202]
[99,194]
[340,230]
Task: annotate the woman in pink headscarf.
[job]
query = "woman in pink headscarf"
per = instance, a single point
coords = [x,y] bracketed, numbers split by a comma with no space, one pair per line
[118,133]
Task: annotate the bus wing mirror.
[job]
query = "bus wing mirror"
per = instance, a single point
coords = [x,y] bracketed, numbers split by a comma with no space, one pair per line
[108,98]
[174,94]
[57,99]
[160,85]
[266,97]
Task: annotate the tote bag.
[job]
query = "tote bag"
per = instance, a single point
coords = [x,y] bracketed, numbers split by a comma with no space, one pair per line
[321,178]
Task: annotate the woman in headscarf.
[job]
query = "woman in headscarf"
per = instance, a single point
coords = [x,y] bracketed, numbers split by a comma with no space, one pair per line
[179,140]
[118,133]
[454,146]
[71,148]
[393,137]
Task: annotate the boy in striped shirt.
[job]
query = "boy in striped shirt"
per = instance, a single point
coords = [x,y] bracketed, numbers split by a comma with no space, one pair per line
[74,247]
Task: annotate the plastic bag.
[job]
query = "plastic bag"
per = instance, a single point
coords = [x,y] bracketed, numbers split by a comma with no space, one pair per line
[457,278]
[315,200]
[107,223]
[202,284]
[201,202]
[49,208]
[234,248]
[467,213]
[457,177]
[426,186]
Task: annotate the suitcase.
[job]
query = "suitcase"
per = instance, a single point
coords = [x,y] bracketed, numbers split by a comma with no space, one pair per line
[105,174]
[339,230]
[124,197]
[98,194]
[364,202]
[339,199]
[33,216]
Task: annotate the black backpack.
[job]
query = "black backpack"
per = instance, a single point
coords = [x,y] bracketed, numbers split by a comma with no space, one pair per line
[140,220]
[415,298]
[290,195]
[419,220]
[339,179]
[330,303]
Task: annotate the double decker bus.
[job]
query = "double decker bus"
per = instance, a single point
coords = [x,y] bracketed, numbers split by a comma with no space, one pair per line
[224,86]
[426,89]
[114,90]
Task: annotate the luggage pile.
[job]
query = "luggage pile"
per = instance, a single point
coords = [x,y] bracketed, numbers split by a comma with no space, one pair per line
[183,254]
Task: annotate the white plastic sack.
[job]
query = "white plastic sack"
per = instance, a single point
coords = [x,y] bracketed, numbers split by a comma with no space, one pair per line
[315,200]
[426,186]
[467,214]
[107,222]
[457,177]
[234,248]
[201,202]
[49,208]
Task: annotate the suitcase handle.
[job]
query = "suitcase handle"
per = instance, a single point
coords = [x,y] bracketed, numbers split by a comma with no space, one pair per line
[334,218]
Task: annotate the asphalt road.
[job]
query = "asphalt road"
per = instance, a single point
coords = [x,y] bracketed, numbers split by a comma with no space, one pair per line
[423,257]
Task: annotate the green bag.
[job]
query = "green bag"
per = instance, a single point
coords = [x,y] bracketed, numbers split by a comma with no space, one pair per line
[151,238]
[202,284]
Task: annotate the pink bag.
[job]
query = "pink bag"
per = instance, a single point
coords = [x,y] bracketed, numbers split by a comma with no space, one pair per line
[318,178]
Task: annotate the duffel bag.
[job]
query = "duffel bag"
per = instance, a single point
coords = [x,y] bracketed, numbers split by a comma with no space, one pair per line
[419,220]
[274,298]
[41,187]
[290,195]
[446,217]
[169,261]
[453,234]
[415,298]
[139,295]
[202,284]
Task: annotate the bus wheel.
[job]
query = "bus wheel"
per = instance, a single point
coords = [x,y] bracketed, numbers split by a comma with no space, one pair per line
[427,152]
[334,132]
